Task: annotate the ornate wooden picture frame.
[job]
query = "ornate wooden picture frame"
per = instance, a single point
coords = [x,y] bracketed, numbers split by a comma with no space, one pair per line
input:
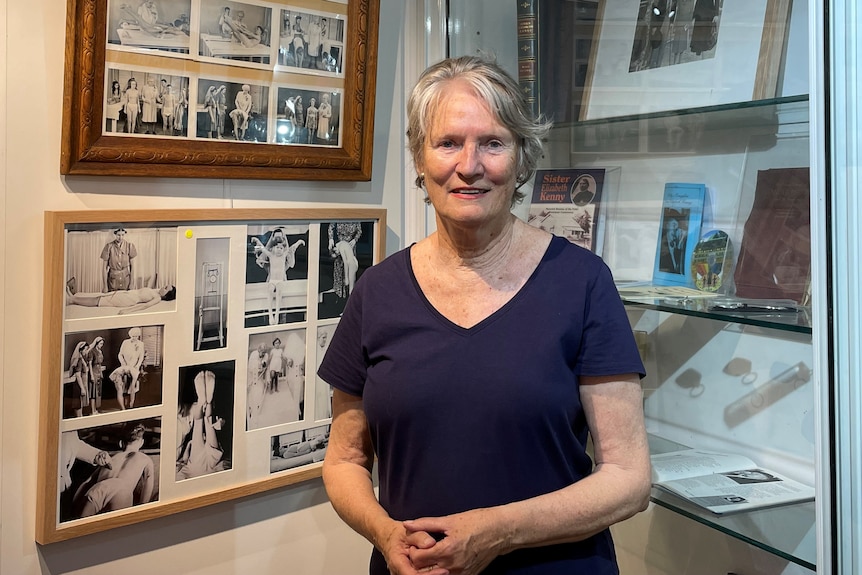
[220,89]
[204,327]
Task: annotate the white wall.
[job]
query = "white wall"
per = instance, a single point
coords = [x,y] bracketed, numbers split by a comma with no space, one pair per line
[288,530]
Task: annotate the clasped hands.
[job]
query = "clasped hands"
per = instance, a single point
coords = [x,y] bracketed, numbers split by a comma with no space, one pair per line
[459,544]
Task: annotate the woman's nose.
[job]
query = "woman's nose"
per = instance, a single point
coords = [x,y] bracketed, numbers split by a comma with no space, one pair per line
[470,160]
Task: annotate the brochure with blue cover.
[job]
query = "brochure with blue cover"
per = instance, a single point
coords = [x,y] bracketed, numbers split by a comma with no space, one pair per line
[681,218]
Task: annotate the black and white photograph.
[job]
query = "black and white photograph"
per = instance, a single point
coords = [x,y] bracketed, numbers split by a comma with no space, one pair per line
[120,270]
[297,448]
[205,423]
[307,117]
[149,25]
[109,467]
[145,103]
[276,274]
[671,32]
[672,244]
[232,111]
[312,42]
[322,390]
[109,370]
[276,378]
[235,31]
[346,251]
[211,295]
[747,476]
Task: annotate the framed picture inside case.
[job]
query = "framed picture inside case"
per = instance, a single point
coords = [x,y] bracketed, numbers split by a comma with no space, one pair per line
[655,57]
[183,347]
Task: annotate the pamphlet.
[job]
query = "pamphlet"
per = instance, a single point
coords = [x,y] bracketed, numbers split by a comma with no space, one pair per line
[566,202]
[724,483]
[681,217]
[645,290]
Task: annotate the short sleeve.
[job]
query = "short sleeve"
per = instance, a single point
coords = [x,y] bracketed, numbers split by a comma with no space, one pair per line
[344,365]
[608,344]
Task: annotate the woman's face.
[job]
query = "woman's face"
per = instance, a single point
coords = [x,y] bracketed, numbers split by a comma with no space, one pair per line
[468,159]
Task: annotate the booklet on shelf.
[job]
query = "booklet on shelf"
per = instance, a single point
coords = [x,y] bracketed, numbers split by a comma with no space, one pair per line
[723,482]
[567,202]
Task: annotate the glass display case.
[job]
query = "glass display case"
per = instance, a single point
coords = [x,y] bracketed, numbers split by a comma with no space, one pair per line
[652,95]
[715,359]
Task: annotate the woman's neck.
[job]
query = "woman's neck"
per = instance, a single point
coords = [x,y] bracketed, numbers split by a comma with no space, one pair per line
[480,248]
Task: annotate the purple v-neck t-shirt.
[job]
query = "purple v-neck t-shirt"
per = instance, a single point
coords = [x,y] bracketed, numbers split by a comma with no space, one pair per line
[468,418]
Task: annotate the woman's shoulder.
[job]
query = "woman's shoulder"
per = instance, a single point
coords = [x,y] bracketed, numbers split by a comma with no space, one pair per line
[396,262]
[562,252]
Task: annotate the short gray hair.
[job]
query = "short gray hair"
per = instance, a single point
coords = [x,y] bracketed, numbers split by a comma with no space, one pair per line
[498,90]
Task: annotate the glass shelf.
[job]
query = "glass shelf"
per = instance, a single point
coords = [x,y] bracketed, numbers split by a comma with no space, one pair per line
[786,531]
[798,322]
[700,131]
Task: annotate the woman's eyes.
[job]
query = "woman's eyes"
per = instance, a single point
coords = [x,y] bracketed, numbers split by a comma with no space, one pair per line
[493,145]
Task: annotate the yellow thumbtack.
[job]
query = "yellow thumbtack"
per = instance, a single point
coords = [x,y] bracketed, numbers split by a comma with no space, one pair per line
[189,234]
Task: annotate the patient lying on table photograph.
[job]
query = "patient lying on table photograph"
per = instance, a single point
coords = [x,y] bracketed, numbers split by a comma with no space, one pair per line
[126,301]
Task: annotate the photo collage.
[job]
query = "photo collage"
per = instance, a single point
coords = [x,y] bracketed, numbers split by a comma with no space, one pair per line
[263,72]
[207,333]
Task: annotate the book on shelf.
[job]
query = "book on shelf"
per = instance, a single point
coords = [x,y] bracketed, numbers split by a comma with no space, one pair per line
[527,48]
[724,482]
[555,39]
[566,202]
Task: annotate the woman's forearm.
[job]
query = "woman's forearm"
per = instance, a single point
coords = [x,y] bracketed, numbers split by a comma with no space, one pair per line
[619,486]
[576,512]
[351,492]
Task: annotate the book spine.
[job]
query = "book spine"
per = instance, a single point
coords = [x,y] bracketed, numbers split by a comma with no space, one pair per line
[528,50]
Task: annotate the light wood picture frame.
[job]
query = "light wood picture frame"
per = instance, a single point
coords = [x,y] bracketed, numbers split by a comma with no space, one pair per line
[220,89]
[190,332]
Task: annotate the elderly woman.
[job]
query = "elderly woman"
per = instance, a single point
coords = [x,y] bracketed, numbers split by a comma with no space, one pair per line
[481,441]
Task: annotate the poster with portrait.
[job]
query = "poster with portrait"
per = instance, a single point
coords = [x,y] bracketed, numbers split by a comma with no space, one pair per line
[567,203]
